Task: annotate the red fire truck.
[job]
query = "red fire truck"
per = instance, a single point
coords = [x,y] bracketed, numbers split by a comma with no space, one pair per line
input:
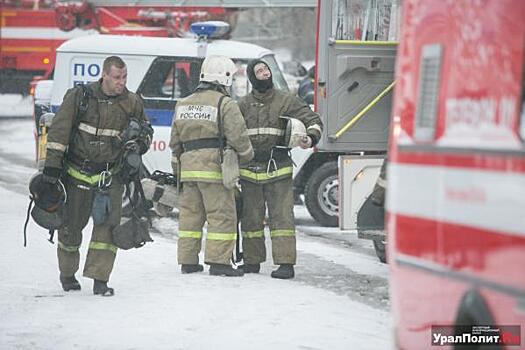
[456,171]
[31,30]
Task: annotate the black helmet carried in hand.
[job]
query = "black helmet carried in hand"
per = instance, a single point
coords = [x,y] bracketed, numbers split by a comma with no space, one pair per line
[49,198]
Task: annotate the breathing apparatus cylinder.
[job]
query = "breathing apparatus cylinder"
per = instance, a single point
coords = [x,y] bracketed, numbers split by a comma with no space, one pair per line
[43,126]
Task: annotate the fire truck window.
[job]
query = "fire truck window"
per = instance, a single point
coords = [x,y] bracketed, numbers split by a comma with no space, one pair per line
[428,91]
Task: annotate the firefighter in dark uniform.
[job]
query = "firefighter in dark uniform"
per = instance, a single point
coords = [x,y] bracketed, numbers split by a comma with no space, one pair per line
[84,148]
[195,144]
[267,180]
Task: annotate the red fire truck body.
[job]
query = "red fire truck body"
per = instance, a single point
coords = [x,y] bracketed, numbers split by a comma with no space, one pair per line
[30,34]
[456,171]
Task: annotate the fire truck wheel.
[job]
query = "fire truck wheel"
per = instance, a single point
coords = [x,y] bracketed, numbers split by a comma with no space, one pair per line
[380,248]
[321,195]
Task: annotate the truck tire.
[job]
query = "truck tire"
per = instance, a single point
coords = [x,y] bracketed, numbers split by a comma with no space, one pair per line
[380,248]
[321,194]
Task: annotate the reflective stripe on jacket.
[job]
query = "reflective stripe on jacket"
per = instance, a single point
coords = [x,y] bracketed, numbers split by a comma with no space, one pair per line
[196,117]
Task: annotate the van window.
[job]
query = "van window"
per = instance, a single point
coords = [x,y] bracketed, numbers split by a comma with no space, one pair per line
[171,79]
[241,85]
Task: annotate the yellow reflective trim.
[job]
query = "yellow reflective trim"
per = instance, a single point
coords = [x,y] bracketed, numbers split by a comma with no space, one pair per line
[265,131]
[282,233]
[253,234]
[263,176]
[56,146]
[103,246]
[89,179]
[221,236]
[197,174]
[190,234]
[98,132]
[68,248]
[92,180]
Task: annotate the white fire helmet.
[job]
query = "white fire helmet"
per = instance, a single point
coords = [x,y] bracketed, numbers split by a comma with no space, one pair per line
[218,69]
[294,132]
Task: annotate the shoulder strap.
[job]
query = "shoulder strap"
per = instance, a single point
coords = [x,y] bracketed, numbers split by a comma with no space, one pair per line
[31,200]
[82,107]
[221,129]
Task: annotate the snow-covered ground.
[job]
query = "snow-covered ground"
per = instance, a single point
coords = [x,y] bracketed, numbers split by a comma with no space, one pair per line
[13,105]
[338,300]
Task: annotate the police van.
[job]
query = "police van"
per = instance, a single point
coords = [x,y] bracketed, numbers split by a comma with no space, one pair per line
[160,70]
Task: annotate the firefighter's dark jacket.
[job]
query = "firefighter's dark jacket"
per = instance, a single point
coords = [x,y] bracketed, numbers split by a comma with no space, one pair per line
[95,135]
[261,112]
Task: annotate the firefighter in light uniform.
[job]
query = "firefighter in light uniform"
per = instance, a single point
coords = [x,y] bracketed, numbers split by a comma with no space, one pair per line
[92,142]
[267,180]
[196,159]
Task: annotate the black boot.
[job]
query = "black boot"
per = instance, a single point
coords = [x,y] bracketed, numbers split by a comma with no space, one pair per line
[191,268]
[101,288]
[250,268]
[225,270]
[69,283]
[285,271]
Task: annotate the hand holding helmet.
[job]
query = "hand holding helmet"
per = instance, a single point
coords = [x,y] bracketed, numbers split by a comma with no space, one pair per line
[49,200]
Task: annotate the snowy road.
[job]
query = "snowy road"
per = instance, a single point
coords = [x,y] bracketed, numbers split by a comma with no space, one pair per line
[338,300]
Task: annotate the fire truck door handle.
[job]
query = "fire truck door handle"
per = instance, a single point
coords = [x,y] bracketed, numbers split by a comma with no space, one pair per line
[353,86]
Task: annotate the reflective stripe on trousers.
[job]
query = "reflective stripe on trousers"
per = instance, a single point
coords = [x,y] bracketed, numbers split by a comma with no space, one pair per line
[68,248]
[194,175]
[216,236]
[103,246]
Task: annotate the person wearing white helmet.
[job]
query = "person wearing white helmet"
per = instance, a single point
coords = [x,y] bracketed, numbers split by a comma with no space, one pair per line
[197,145]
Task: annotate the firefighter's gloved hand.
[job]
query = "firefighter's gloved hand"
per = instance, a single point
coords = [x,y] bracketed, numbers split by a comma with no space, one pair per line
[305,142]
[47,194]
[315,139]
[51,175]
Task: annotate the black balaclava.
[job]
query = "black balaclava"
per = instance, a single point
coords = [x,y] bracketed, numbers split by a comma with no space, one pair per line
[259,85]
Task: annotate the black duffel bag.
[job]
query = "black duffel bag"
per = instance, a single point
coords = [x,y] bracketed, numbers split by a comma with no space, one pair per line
[132,232]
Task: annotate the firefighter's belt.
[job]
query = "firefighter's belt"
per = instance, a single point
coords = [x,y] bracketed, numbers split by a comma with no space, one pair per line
[213,142]
[90,179]
[279,154]
[252,173]
[88,167]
